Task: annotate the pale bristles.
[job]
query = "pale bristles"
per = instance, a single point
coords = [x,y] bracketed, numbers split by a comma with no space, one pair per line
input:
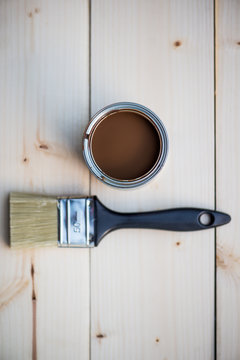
[33,220]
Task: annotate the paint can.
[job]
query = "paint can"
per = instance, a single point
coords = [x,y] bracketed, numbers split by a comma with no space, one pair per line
[125,145]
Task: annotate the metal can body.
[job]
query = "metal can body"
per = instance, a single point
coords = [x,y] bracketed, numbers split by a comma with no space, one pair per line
[129,107]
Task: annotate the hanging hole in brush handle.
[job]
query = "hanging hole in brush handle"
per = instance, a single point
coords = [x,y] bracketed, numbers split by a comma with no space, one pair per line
[206,218]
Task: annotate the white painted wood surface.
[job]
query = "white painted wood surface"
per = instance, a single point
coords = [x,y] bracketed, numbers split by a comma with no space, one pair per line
[152,292]
[228,184]
[140,294]
[44,109]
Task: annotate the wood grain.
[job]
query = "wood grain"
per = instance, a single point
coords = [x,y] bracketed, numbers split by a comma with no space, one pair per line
[152,292]
[228,170]
[44,108]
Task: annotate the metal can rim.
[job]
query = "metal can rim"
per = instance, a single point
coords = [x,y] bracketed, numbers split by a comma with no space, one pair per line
[89,159]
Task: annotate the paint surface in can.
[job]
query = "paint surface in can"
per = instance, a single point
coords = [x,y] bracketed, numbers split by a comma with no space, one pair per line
[125,145]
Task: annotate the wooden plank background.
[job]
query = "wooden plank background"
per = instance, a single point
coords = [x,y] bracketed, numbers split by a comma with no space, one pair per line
[44,109]
[152,291]
[228,180]
[141,294]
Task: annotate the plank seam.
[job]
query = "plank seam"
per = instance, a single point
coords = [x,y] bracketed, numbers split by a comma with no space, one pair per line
[215,176]
[90,183]
[34,312]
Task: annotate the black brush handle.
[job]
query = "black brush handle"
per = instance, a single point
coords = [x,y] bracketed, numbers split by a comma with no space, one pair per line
[179,219]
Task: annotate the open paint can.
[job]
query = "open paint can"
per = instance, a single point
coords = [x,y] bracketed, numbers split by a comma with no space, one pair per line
[125,145]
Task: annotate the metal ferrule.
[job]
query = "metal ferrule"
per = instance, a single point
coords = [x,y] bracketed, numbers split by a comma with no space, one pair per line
[76,222]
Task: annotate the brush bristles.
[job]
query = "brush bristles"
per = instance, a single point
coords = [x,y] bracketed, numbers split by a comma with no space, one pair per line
[33,220]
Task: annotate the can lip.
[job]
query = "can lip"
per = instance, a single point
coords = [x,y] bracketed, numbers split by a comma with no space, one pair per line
[89,159]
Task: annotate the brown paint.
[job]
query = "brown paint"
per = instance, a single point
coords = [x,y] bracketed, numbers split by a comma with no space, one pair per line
[125,145]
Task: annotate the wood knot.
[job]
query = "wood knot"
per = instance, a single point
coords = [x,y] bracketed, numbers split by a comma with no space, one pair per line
[25,160]
[31,13]
[101,336]
[177,43]
[34,298]
[157,340]
[178,243]
[43,146]
[32,270]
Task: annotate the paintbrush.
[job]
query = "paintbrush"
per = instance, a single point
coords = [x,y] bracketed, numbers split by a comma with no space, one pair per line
[37,220]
